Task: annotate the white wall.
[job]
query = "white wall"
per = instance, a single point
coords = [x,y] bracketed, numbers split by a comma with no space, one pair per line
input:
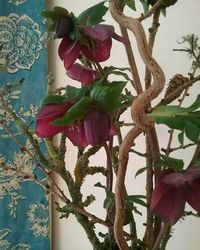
[181,19]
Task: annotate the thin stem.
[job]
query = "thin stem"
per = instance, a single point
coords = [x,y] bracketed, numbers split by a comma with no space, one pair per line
[109,178]
[151,11]
[196,155]
[161,235]
[132,63]
[120,189]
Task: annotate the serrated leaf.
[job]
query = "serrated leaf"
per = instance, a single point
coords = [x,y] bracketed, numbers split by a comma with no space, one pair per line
[53,99]
[176,164]
[107,96]
[192,131]
[76,112]
[75,93]
[93,15]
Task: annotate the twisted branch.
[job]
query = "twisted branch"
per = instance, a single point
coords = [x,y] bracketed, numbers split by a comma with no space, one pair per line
[138,111]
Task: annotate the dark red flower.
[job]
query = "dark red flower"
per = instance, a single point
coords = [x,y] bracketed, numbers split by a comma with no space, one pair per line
[97,49]
[76,134]
[97,127]
[47,114]
[172,191]
[82,74]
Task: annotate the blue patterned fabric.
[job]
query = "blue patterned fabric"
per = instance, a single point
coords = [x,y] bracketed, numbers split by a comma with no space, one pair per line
[24,207]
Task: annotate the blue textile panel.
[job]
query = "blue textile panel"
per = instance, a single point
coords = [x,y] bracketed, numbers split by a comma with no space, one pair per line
[24,207]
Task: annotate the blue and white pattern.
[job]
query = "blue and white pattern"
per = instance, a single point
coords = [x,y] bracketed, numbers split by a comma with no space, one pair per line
[16,2]
[24,205]
[20,40]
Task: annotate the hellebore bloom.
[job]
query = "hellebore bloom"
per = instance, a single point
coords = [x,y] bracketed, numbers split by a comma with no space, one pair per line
[98,128]
[63,26]
[47,114]
[172,191]
[82,74]
[76,134]
[97,49]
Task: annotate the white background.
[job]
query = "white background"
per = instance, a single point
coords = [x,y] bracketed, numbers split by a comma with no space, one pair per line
[182,19]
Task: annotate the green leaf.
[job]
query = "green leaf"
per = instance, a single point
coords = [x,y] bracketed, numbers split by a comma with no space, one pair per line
[130,4]
[194,106]
[107,97]
[176,164]
[137,199]
[93,15]
[55,13]
[145,5]
[57,99]
[192,131]
[75,93]
[181,137]
[60,11]
[140,171]
[76,112]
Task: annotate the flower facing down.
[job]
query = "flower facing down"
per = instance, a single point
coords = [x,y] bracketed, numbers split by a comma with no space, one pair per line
[172,191]
[47,114]
[82,74]
[97,49]
[98,128]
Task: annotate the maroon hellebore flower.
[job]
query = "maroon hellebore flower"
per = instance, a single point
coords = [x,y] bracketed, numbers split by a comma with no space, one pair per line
[82,74]
[47,114]
[172,191]
[76,134]
[98,128]
[97,49]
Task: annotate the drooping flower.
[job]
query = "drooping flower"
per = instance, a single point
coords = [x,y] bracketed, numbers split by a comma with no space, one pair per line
[76,134]
[82,74]
[47,114]
[98,128]
[172,191]
[63,26]
[97,49]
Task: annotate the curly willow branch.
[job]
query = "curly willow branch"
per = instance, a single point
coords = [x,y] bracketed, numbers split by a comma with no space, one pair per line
[142,101]
[138,111]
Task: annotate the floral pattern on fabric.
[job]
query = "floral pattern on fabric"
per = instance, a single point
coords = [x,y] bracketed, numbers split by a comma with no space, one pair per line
[20,38]
[16,2]
[24,205]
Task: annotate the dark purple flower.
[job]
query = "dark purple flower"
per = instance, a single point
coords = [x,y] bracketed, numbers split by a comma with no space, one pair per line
[47,114]
[97,127]
[82,74]
[97,49]
[63,26]
[172,191]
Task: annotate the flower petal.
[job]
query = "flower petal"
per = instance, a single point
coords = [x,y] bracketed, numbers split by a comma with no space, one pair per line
[82,74]
[76,134]
[100,32]
[45,117]
[69,51]
[97,51]
[192,194]
[167,201]
[97,127]
[63,26]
